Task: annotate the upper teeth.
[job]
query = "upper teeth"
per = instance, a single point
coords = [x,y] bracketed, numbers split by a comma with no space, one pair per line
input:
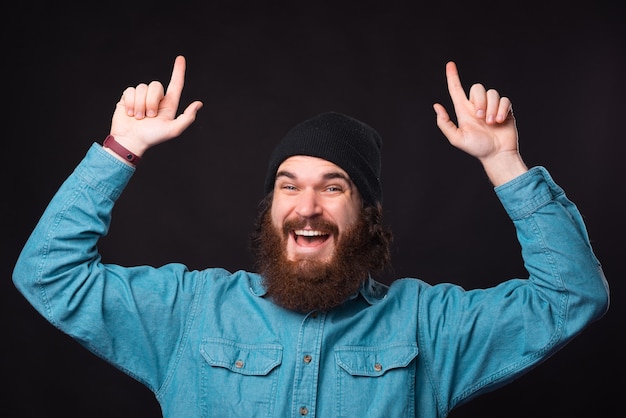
[308,232]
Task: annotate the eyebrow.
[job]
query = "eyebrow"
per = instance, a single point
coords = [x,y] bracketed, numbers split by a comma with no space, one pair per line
[327,176]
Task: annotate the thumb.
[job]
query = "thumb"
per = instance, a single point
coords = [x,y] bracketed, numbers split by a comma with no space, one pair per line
[445,124]
[185,119]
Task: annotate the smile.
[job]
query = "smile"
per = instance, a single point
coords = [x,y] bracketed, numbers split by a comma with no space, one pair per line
[310,237]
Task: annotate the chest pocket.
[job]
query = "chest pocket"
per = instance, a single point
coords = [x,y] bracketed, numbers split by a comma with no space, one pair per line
[376,381]
[239,379]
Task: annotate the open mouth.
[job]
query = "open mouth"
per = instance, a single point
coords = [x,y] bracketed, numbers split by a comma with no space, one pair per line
[309,237]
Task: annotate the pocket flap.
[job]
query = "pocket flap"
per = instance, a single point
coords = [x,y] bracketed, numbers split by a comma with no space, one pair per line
[375,361]
[247,359]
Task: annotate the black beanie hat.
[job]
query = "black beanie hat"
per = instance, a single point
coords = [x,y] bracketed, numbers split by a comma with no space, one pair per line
[349,143]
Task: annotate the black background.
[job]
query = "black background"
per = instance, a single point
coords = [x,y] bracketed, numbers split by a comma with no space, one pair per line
[260,68]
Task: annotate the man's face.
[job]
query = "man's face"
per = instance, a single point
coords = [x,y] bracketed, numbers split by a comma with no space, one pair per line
[314,203]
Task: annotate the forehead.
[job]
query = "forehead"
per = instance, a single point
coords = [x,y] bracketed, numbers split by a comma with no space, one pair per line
[307,165]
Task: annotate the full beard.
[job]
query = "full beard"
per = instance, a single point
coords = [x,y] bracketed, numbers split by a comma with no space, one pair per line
[309,284]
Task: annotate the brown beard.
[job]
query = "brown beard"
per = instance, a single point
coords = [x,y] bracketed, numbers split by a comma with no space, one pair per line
[309,284]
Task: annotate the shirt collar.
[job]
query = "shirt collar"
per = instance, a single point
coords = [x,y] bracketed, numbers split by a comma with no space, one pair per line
[256,285]
[373,291]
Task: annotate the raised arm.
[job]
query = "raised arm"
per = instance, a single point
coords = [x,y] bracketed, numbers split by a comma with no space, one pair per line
[113,310]
[146,115]
[486,128]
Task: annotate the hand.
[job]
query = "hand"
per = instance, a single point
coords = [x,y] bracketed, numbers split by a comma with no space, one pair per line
[146,115]
[486,127]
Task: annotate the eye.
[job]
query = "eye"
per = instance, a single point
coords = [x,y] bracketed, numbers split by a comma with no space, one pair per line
[334,189]
[288,187]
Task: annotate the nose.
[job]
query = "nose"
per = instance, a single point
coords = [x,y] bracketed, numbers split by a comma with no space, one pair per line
[308,204]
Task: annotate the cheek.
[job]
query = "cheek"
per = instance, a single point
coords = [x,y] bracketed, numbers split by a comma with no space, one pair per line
[276,216]
[347,218]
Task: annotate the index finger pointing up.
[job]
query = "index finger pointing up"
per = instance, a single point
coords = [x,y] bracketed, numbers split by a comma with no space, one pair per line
[177,81]
[457,94]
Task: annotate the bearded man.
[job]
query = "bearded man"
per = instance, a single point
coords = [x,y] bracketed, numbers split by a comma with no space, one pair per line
[312,333]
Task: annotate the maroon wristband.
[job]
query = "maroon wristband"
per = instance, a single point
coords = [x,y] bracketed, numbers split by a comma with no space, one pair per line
[117,148]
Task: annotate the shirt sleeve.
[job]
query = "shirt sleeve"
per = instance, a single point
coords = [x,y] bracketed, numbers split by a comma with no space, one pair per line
[133,317]
[474,341]
[556,248]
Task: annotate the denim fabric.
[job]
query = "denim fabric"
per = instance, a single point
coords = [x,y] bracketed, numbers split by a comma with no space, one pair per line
[210,344]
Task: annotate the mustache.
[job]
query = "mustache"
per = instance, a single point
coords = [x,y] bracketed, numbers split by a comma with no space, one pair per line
[317,224]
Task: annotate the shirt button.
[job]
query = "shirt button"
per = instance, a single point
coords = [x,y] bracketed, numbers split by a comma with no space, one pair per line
[378,367]
[239,364]
[307,359]
[303,410]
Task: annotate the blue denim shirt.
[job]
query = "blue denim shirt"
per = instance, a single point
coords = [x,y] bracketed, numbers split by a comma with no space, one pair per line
[210,344]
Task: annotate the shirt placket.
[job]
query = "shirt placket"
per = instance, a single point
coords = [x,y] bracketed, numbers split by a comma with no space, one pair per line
[307,365]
